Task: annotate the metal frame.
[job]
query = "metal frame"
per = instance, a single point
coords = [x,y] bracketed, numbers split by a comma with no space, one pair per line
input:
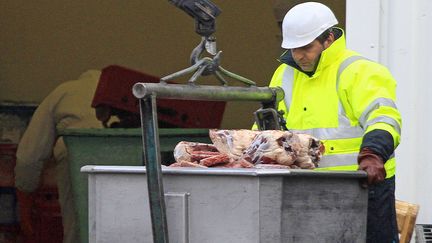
[147,93]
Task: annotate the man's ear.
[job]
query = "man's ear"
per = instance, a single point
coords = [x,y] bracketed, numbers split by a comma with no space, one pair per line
[329,41]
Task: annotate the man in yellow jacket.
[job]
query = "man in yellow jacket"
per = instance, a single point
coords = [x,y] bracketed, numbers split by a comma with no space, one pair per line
[346,101]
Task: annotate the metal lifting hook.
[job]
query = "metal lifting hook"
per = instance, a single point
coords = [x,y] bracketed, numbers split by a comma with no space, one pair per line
[203,66]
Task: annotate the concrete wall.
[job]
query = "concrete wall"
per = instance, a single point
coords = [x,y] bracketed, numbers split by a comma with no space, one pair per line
[397,34]
[44,43]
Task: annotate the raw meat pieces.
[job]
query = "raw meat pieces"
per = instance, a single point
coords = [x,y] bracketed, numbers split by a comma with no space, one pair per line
[246,148]
[232,142]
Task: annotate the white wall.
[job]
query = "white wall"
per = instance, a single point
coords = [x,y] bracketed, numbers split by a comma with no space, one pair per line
[397,33]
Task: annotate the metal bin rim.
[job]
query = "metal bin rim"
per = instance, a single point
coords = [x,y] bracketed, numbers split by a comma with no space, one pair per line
[92,169]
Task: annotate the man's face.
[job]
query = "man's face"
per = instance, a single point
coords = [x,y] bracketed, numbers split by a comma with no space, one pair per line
[307,56]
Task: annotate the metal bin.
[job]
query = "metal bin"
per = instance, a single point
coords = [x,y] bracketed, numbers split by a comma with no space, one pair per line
[229,205]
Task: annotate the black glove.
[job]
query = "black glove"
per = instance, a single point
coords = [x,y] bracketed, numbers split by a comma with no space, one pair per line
[373,165]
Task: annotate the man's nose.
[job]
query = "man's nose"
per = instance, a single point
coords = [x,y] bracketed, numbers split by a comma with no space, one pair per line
[297,53]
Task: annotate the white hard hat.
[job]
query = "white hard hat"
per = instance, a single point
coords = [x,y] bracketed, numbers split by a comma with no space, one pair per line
[305,22]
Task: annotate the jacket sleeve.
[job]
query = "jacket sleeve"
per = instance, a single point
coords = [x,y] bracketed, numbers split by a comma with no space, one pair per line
[36,144]
[370,102]
[380,142]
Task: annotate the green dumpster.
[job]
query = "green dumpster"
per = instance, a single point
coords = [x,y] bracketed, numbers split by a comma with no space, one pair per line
[117,146]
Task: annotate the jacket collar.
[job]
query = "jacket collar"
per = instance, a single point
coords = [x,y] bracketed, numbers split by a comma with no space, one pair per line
[327,56]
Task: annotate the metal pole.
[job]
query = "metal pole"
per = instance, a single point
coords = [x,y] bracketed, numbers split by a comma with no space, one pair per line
[152,161]
[207,92]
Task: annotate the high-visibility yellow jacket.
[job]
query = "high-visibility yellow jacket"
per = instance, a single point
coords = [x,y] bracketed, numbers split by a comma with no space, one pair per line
[345,98]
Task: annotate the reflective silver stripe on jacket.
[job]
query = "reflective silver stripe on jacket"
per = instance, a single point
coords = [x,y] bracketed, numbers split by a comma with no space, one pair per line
[363,120]
[373,106]
[287,85]
[338,160]
[344,65]
[385,119]
[333,132]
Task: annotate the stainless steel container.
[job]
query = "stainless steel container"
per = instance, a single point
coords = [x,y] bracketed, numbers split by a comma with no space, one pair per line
[229,205]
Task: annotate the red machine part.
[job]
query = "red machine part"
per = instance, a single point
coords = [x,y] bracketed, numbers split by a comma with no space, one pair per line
[115,90]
